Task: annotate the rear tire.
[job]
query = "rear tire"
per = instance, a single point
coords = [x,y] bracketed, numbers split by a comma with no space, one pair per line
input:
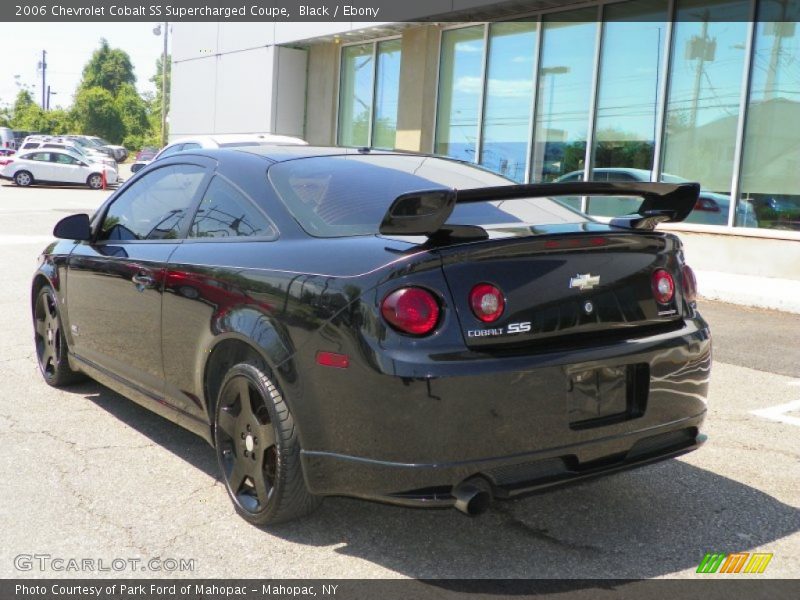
[95,181]
[52,352]
[23,178]
[258,449]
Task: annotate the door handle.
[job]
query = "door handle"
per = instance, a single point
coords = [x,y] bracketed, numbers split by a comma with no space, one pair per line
[143,280]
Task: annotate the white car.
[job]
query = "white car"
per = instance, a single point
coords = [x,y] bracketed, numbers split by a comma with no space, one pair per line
[229,140]
[55,166]
[46,142]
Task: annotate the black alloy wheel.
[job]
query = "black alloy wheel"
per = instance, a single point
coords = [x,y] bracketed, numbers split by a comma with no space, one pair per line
[258,450]
[51,346]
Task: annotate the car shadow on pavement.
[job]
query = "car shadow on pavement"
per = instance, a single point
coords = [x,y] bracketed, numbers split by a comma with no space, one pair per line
[643,523]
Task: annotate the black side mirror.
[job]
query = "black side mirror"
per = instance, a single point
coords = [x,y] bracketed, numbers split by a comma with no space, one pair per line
[73,227]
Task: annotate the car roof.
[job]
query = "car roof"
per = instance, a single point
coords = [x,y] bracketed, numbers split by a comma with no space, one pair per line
[281,152]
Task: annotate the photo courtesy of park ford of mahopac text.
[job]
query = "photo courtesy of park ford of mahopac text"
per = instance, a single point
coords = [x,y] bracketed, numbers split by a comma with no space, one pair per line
[413,300]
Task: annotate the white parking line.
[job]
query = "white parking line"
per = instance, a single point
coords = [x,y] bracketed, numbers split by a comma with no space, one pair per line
[780,412]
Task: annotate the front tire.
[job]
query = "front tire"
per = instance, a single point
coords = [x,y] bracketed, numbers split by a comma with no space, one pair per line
[23,178]
[52,352]
[95,181]
[258,449]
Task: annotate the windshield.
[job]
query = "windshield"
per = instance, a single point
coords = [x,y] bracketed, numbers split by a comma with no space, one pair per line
[349,195]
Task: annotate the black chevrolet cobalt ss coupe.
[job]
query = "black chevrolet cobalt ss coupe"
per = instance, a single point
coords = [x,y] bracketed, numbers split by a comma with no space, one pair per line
[389,326]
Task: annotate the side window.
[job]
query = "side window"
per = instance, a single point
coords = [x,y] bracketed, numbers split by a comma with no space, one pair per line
[225,212]
[63,159]
[190,146]
[40,156]
[155,206]
[30,145]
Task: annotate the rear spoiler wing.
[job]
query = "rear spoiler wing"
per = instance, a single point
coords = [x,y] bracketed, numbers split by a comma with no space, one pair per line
[425,212]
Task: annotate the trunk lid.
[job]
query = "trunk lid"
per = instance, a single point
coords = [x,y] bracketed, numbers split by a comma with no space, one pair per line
[564,283]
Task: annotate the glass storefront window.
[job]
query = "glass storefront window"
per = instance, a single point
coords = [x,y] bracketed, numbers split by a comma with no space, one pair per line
[703,100]
[387,91]
[460,90]
[509,93]
[564,93]
[769,180]
[355,95]
[634,34]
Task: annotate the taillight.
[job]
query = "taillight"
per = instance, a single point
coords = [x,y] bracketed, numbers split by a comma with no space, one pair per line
[7,161]
[689,283]
[411,310]
[663,286]
[487,302]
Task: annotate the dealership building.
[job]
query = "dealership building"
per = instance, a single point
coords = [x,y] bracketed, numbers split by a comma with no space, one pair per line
[546,90]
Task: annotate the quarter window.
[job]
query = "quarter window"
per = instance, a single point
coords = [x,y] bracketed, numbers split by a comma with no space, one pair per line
[155,206]
[226,213]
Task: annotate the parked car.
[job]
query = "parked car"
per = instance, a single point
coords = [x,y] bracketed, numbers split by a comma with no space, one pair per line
[40,142]
[345,322]
[711,208]
[143,158]
[7,141]
[30,167]
[120,153]
[233,140]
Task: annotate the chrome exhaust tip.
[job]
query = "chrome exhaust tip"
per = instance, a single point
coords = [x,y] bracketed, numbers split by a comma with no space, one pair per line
[473,497]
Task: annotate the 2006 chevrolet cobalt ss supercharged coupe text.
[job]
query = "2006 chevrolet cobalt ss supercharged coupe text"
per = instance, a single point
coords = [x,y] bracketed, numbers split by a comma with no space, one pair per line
[389,326]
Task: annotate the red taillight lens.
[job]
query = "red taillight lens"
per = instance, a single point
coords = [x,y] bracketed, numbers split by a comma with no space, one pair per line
[663,286]
[487,302]
[689,284]
[7,161]
[411,310]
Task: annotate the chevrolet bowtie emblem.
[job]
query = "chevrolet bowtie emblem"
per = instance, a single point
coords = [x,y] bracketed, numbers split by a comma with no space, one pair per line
[584,282]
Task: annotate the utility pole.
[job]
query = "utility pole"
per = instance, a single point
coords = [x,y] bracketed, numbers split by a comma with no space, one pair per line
[49,93]
[44,78]
[164,88]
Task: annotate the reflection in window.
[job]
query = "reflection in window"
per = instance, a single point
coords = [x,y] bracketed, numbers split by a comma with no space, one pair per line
[565,84]
[355,95]
[509,91]
[387,94]
[772,137]
[154,206]
[226,212]
[703,99]
[634,35]
[460,87]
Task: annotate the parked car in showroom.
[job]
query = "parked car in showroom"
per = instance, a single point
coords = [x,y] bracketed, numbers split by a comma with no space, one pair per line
[389,326]
[711,208]
[29,167]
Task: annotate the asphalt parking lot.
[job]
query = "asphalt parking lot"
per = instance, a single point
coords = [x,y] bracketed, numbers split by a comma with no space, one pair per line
[89,474]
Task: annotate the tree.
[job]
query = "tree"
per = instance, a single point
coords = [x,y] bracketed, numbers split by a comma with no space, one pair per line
[133,111]
[109,68]
[95,112]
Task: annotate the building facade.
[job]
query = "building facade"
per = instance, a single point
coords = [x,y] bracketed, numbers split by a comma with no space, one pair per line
[609,90]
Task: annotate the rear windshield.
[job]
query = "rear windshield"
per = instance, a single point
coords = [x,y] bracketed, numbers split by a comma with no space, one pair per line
[336,196]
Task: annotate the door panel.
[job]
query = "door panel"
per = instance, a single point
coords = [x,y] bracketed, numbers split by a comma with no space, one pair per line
[114,303]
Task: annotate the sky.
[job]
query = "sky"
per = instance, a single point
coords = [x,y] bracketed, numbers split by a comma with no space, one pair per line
[69,47]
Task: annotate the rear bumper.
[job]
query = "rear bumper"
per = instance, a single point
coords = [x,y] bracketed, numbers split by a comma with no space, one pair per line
[431,485]
[510,420]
